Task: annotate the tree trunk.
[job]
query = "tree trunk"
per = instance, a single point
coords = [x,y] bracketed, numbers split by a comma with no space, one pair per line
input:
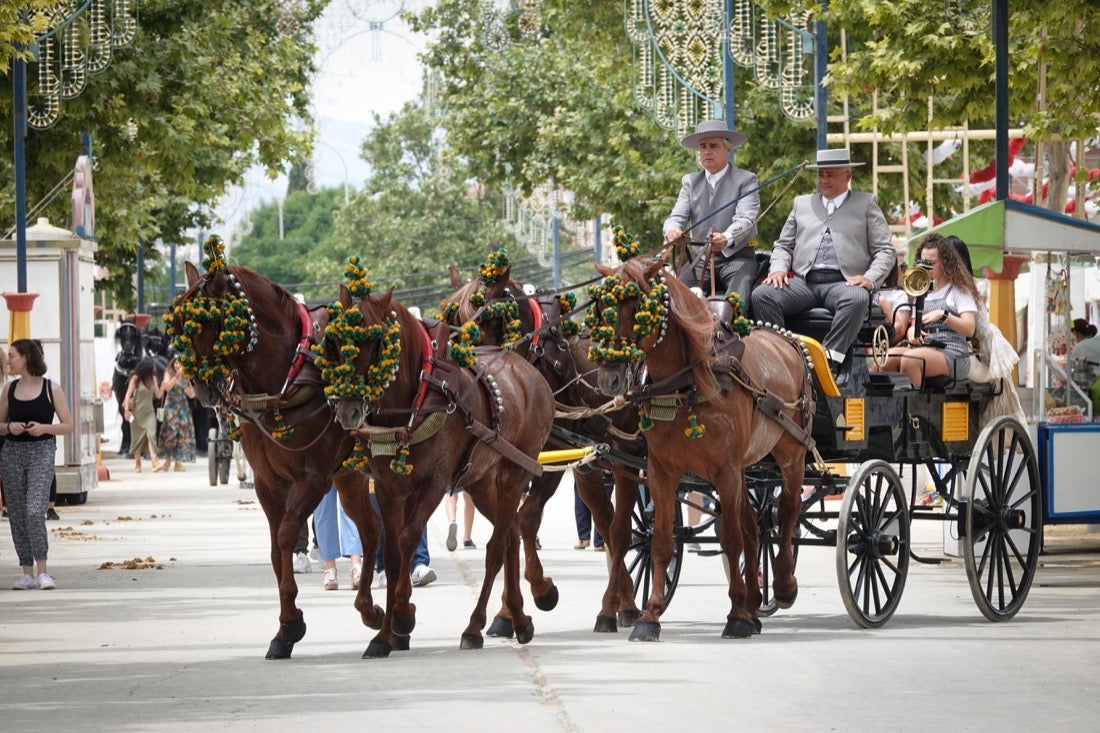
[1058,170]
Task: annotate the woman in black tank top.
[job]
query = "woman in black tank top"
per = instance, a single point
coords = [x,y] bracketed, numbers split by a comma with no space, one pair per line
[28,407]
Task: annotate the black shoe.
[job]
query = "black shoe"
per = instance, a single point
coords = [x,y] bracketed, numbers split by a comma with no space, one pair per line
[51,513]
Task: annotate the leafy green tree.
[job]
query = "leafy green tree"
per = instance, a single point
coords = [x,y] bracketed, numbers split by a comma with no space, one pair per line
[206,91]
[909,50]
[560,108]
[21,21]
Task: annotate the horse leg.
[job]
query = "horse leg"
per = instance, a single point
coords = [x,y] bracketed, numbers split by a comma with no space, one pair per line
[392,515]
[626,497]
[785,584]
[529,519]
[355,498]
[590,487]
[750,533]
[662,489]
[731,495]
[504,542]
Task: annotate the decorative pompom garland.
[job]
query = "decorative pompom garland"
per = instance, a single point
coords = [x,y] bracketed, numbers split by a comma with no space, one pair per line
[603,318]
[741,325]
[625,246]
[568,327]
[695,428]
[494,267]
[461,350]
[281,431]
[345,330]
[358,460]
[237,333]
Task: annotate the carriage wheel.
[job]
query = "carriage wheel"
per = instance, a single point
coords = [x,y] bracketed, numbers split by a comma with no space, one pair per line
[765,502]
[640,563]
[1003,519]
[880,345]
[223,469]
[872,547]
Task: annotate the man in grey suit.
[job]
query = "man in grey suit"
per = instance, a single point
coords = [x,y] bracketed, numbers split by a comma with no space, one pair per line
[835,248]
[729,234]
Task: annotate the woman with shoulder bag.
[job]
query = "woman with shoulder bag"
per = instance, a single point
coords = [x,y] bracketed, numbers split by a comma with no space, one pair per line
[177,431]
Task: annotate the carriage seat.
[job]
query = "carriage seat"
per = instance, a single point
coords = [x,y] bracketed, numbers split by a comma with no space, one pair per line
[816,322]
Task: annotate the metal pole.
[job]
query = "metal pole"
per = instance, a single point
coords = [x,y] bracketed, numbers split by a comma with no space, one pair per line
[821,65]
[141,276]
[557,255]
[172,272]
[598,242]
[1000,43]
[19,101]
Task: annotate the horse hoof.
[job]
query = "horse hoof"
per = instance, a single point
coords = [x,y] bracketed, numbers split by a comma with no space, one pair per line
[646,631]
[403,627]
[279,649]
[401,643]
[627,619]
[605,625]
[292,632]
[377,650]
[737,629]
[549,601]
[471,641]
[501,627]
[524,636]
[757,627]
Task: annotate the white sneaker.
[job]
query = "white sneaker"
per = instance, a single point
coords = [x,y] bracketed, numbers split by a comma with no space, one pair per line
[452,537]
[25,583]
[423,575]
[301,563]
[45,582]
[380,579]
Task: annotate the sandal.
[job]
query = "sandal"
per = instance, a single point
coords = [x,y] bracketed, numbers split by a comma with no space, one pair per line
[356,574]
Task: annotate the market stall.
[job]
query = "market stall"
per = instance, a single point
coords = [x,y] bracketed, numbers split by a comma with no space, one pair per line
[1053,259]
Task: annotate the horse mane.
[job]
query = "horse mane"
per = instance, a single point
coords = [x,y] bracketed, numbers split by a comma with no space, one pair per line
[462,296]
[259,288]
[691,316]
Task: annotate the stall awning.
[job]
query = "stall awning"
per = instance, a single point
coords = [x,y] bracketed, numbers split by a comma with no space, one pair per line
[992,229]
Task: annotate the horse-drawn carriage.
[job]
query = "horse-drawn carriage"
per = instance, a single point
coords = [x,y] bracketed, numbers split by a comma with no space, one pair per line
[891,438]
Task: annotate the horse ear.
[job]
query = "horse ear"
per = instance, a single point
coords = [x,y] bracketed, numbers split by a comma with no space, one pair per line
[385,300]
[604,270]
[192,273]
[654,269]
[345,296]
[456,277]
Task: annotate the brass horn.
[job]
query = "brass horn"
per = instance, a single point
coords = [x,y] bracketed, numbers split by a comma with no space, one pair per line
[916,281]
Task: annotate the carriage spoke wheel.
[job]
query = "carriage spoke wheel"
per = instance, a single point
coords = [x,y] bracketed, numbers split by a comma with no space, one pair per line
[872,547]
[880,345]
[639,561]
[765,502]
[1002,519]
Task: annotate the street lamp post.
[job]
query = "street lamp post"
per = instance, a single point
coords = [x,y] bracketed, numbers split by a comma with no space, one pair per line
[342,162]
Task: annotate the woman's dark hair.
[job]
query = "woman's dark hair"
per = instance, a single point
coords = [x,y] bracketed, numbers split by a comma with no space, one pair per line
[963,250]
[146,371]
[31,351]
[1083,327]
[954,267]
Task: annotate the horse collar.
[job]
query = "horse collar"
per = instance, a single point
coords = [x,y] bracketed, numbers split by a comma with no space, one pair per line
[426,366]
[537,319]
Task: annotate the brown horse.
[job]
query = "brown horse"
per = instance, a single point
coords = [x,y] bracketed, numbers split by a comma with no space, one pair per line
[724,410]
[480,428]
[562,359]
[268,383]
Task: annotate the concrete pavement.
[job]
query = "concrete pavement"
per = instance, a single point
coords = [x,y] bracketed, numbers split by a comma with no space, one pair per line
[176,641]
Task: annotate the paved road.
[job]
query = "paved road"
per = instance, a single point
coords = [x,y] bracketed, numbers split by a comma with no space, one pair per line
[180,646]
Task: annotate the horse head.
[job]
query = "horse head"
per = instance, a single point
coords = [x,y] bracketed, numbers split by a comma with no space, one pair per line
[128,338]
[362,353]
[643,314]
[498,305]
[209,323]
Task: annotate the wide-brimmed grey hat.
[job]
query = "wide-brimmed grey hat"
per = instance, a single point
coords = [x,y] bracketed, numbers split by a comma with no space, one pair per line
[713,128]
[839,158]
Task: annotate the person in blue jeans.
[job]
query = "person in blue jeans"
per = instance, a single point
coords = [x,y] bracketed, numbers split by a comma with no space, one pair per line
[336,537]
[422,573]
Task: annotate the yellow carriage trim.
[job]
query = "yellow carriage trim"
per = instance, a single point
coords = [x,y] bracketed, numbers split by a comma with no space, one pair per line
[955,425]
[821,366]
[855,419]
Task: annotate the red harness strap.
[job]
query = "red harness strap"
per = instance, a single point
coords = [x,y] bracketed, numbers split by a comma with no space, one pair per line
[302,351]
[537,317]
[425,367]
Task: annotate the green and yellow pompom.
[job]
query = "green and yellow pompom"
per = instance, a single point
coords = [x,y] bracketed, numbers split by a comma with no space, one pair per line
[625,246]
[695,429]
[461,350]
[358,460]
[401,465]
[494,267]
[213,255]
[358,284]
